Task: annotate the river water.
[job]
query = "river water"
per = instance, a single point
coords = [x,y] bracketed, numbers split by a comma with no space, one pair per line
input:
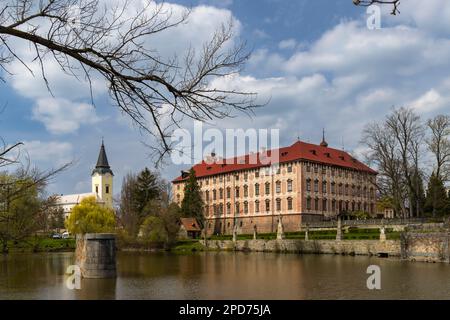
[225,275]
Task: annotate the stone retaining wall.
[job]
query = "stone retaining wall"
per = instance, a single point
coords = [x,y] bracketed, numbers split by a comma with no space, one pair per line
[350,247]
[430,246]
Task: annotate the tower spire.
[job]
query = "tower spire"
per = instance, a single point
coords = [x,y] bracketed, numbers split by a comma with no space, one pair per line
[102,165]
[323,143]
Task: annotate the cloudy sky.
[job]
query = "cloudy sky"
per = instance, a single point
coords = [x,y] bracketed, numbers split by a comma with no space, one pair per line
[315,61]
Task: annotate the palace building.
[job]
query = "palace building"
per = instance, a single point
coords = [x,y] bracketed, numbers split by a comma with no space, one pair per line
[309,183]
[102,186]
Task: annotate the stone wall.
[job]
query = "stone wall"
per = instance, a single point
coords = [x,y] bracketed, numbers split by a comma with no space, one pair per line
[96,255]
[350,247]
[429,246]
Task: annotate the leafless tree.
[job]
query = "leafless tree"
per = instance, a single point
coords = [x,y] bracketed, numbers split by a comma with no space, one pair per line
[408,131]
[103,40]
[384,155]
[439,145]
[365,3]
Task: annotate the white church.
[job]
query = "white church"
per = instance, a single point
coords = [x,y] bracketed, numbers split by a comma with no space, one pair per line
[102,186]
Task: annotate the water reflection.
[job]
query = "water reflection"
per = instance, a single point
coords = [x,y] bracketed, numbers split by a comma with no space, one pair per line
[224,275]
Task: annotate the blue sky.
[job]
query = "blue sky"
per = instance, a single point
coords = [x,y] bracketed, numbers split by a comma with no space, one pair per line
[316,61]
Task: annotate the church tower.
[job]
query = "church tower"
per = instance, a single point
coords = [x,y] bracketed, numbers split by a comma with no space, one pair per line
[102,179]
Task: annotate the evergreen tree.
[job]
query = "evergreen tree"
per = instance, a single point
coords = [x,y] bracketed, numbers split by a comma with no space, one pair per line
[148,189]
[192,205]
[437,200]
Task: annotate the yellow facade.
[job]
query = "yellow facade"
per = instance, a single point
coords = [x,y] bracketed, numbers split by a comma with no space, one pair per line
[102,186]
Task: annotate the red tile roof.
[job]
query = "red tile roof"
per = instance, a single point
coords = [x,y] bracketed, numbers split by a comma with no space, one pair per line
[190,224]
[298,151]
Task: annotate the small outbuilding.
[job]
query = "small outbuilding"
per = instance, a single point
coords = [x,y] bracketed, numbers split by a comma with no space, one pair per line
[189,228]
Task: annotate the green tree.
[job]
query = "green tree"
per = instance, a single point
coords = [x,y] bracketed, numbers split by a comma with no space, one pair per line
[90,217]
[153,230]
[192,204]
[148,188]
[437,201]
[21,207]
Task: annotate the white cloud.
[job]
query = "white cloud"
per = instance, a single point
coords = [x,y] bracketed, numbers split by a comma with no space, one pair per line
[430,101]
[287,44]
[53,152]
[63,116]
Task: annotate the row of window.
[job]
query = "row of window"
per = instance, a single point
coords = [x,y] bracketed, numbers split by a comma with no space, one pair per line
[339,172]
[340,206]
[267,171]
[341,189]
[237,191]
[219,209]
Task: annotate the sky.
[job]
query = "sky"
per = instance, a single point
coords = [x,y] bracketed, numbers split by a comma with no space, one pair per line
[316,63]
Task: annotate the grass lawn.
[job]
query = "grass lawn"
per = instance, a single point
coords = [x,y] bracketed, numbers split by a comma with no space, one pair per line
[42,245]
[352,234]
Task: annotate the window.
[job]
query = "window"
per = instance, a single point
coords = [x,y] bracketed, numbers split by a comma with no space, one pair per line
[278,204]
[221,209]
[221,193]
[257,206]
[228,178]
[316,169]
[267,188]
[215,209]
[289,186]
[221,179]
[346,189]
[333,205]
[308,168]
[333,187]
[278,187]
[228,208]
[246,207]
[228,193]
[257,189]
[237,208]
[308,184]
[324,170]
[215,180]
[308,203]
[207,196]
[245,191]
[289,200]
[96,189]
[324,187]
[257,174]
[316,185]
[236,177]
[324,205]
[214,195]
[237,192]
[267,205]
[245,176]
[289,169]
[316,204]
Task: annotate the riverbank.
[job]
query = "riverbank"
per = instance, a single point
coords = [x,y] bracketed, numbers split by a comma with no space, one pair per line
[388,248]
[413,246]
[42,245]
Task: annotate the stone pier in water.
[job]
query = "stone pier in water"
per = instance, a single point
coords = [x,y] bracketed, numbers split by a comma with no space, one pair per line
[96,255]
